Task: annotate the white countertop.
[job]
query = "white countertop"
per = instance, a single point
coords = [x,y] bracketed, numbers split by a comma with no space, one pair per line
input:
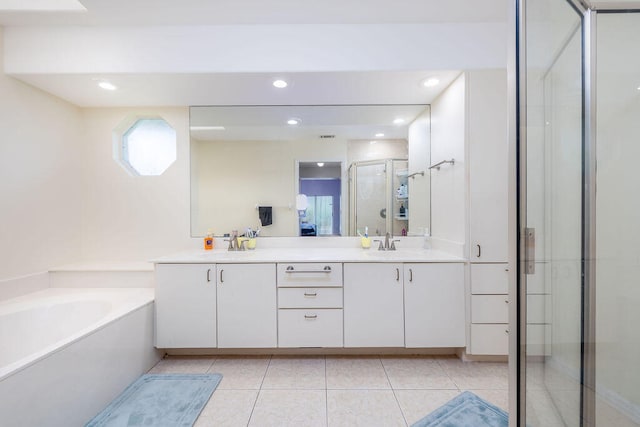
[260,255]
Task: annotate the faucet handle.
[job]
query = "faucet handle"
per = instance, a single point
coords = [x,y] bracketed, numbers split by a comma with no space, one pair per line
[380,246]
[242,245]
[231,247]
[393,245]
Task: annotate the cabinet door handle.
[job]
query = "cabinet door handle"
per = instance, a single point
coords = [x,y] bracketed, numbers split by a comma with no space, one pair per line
[311,295]
[506,301]
[310,316]
[506,331]
[411,275]
[326,269]
[221,281]
[479,251]
[208,275]
[397,274]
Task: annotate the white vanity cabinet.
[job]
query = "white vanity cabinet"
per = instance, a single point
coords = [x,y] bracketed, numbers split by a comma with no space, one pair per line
[434,313]
[373,305]
[310,305]
[185,303]
[247,314]
[404,305]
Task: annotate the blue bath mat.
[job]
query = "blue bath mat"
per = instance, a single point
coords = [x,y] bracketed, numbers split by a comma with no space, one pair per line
[466,410]
[169,400]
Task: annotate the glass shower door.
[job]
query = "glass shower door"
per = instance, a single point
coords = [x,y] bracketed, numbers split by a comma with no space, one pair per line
[371,201]
[551,217]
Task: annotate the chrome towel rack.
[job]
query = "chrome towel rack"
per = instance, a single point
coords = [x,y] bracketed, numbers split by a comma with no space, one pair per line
[437,165]
[413,175]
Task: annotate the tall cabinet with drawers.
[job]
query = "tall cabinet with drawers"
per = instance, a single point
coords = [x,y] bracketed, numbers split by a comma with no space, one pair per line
[488,212]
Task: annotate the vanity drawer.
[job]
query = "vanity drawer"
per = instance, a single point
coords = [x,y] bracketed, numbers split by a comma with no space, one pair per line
[489,309]
[489,278]
[490,339]
[309,274]
[310,297]
[310,328]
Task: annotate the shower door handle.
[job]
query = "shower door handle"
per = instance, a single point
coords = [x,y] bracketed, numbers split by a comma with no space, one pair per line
[529,251]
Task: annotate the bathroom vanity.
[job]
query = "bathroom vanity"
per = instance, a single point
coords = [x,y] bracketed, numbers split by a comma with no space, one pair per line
[311,298]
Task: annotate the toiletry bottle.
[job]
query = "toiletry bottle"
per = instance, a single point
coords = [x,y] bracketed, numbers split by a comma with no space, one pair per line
[402,209]
[427,239]
[208,241]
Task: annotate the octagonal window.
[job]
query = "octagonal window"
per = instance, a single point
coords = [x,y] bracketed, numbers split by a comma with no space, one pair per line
[148,147]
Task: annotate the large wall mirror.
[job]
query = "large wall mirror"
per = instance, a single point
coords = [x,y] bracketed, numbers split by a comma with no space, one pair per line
[356,168]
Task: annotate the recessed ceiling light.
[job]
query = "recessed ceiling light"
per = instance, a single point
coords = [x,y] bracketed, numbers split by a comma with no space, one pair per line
[320,164]
[398,121]
[107,85]
[373,142]
[280,84]
[293,121]
[379,135]
[430,82]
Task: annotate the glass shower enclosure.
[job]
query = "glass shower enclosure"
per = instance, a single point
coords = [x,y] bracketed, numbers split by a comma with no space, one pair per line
[379,197]
[579,258]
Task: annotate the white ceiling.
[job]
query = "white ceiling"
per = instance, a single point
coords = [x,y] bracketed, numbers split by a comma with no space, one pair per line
[382,87]
[241,12]
[204,52]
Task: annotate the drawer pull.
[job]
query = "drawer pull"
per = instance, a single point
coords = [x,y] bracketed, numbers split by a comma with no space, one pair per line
[397,274]
[479,251]
[221,281]
[411,275]
[208,275]
[311,316]
[315,294]
[326,269]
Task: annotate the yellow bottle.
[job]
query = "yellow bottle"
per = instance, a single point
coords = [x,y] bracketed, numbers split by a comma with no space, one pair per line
[208,241]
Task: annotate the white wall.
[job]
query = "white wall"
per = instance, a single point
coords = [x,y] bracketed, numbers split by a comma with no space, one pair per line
[126,217]
[419,147]
[234,176]
[448,185]
[40,179]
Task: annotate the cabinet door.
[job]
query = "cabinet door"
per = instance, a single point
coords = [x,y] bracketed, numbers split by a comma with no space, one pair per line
[373,298]
[488,173]
[434,305]
[185,303]
[247,310]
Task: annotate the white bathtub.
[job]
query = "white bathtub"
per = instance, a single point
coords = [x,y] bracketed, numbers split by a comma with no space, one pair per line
[66,353]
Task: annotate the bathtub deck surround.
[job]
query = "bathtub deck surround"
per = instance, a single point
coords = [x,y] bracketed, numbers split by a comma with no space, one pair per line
[90,343]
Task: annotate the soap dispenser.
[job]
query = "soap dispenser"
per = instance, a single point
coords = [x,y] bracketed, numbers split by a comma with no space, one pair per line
[208,241]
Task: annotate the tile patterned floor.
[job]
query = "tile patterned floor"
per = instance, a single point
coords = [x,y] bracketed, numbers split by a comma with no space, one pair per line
[336,391]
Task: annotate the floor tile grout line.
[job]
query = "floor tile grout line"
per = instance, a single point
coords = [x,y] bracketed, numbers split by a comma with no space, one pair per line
[259,390]
[326,393]
[449,376]
[404,417]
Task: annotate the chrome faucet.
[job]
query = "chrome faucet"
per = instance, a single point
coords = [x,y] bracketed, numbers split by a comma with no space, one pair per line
[233,241]
[389,243]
